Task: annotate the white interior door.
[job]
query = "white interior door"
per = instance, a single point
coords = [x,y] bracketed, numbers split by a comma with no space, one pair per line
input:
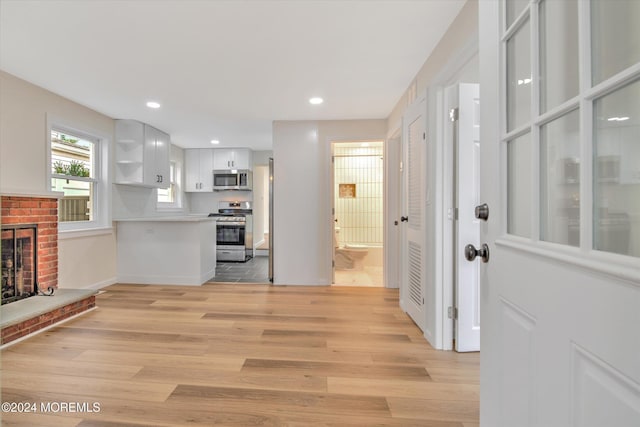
[467,196]
[412,289]
[560,297]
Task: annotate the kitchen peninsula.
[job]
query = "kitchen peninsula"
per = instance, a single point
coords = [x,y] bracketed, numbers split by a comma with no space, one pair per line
[178,250]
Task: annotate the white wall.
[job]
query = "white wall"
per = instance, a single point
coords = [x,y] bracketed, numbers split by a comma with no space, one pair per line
[260,197]
[88,261]
[303,229]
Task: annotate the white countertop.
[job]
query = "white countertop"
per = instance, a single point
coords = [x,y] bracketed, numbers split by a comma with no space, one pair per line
[185,218]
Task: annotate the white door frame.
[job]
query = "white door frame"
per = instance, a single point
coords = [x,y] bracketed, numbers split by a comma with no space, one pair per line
[331,198]
[392,207]
[443,191]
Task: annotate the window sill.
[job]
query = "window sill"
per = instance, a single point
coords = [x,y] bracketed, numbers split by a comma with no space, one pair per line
[89,232]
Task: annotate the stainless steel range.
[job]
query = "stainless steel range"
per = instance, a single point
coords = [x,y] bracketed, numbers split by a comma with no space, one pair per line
[234,231]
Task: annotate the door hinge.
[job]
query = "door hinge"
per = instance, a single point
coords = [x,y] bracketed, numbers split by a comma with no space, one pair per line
[455,214]
[453,115]
[333,263]
[424,136]
[422,300]
[452,313]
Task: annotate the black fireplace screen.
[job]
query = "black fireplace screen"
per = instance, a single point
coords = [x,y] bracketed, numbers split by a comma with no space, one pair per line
[19,262]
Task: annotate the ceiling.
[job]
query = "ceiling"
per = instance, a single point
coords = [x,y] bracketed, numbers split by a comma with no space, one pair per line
[223,69]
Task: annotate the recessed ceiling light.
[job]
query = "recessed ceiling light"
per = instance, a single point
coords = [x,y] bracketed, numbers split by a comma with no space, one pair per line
[316,100]
[215,141]
[153,104]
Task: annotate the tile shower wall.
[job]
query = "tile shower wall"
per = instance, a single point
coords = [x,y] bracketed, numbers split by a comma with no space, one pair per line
[358,175]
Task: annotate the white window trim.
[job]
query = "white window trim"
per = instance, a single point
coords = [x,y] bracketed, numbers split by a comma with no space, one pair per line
[102,199]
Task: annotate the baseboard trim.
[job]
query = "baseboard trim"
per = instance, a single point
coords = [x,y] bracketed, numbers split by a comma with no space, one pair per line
[100,285]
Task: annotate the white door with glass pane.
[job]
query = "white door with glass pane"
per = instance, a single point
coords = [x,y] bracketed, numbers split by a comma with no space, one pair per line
[415,195]
[560,160]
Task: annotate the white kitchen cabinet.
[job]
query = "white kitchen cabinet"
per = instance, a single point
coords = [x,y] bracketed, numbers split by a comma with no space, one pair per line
[198,170]
[232,158]
[166,251]
[141,155]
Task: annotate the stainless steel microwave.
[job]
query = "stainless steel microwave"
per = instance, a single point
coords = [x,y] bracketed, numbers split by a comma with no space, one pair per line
[232,180]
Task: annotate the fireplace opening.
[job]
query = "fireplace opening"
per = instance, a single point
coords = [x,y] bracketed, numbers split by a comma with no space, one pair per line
[19,261]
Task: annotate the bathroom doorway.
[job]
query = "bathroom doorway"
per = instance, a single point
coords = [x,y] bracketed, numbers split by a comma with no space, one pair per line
[358,205]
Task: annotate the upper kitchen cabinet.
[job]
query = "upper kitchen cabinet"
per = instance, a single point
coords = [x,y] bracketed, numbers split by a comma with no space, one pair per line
[232,158]
[199,169]
[141,155]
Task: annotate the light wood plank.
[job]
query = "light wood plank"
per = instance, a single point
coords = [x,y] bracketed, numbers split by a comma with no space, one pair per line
[87,388]
[444,410]
[238,355]
[220,363]
[399,388]
[38,420]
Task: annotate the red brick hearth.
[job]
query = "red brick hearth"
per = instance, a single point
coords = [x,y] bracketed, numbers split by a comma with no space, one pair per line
[41,321]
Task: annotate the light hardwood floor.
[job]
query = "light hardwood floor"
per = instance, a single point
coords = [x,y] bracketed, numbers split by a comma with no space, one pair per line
[241,355]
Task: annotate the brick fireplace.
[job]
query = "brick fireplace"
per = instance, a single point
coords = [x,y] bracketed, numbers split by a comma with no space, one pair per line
[19,215]
[28,223]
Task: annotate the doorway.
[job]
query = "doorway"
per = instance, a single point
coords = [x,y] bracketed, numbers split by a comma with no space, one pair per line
[256,268]
[358,205]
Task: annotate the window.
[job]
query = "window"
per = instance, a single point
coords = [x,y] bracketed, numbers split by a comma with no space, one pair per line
[74,173]
[77,166]
[570,125]
[169,198]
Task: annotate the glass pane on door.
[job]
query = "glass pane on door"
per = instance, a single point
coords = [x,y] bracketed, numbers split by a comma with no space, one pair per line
[519,186]
[513,9]
[616,167]
[558,52]
[519,78]
[615,37]
[560,180]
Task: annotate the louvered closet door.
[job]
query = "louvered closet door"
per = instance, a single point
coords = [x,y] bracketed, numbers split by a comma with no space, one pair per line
[412,290]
